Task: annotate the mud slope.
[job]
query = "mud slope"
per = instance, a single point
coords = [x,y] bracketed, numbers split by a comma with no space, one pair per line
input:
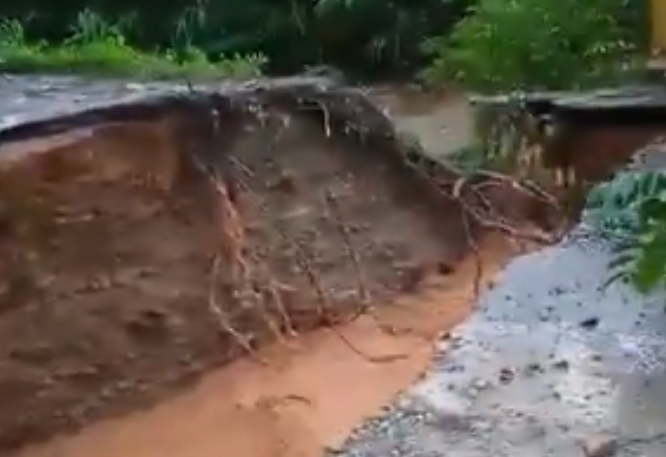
[146,242]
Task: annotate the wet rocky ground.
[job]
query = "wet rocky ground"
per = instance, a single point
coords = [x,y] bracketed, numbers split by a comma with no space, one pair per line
[552,364]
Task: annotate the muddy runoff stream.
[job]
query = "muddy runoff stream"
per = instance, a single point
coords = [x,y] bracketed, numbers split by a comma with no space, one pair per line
[113,340]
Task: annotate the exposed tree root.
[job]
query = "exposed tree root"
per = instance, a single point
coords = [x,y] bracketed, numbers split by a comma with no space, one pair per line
[243,286]
[473,194]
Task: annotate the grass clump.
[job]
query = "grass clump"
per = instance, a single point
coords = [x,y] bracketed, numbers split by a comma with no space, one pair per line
[97,47]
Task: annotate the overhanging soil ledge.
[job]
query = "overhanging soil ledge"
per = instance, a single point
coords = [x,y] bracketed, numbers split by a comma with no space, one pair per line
[144,243]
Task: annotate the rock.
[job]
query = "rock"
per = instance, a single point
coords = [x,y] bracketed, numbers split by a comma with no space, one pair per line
[561,365]
[590,324]
[506,375]
[149,323]
[599,446]
[329,72]
[134,87]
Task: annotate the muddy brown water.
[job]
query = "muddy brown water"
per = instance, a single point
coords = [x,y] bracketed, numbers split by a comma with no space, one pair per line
[314,389]
[310,396]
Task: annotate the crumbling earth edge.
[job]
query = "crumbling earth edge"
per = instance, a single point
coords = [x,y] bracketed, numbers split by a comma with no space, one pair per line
[166,235]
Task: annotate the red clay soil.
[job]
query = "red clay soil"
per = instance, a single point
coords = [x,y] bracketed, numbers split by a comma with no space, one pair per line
[107,254]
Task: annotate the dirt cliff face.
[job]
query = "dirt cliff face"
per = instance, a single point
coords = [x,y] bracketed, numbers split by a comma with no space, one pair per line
[130,262]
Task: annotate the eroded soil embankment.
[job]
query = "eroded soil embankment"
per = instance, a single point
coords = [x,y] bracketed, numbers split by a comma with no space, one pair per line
[128,268]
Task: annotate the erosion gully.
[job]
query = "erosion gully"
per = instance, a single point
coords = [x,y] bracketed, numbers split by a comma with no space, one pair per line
[544,362]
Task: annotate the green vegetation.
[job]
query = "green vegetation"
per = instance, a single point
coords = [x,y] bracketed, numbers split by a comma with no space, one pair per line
[485,45]
[507,45]
[98,47]
[631,209]
[367,37]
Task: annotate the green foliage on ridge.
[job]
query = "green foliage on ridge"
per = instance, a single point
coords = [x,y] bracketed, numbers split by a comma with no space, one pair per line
[98,47]
[504,45]
[366,36]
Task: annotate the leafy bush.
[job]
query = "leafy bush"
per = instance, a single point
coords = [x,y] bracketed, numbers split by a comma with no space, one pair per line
[96,46]
[537,44]
[632,209]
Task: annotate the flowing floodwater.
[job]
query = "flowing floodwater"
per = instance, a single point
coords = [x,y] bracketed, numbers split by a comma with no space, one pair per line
[441,122]
[308,398]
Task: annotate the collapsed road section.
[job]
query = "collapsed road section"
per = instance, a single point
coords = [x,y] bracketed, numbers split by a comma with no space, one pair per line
[145,242]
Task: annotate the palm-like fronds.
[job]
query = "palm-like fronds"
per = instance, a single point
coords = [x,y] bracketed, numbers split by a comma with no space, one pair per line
[632,209]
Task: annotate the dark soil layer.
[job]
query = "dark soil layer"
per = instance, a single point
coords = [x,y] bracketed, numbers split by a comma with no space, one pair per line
[126,269]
